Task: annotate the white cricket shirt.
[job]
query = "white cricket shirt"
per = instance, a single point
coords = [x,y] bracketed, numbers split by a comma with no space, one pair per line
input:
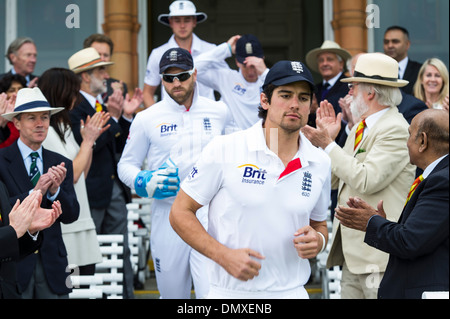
[167,129]
[242,97]
[256,202]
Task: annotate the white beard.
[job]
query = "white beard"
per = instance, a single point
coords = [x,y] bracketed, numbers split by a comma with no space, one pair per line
[358,107]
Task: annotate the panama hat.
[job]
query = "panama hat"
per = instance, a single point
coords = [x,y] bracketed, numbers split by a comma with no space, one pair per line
[327,46]
[376,68]
[31,100]
[182,8]
[86,59]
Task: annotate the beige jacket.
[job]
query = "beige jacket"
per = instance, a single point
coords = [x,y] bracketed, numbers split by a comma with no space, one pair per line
[381,170]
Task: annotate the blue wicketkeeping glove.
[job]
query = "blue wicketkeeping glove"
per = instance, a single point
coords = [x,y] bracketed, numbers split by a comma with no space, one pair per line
[161,183]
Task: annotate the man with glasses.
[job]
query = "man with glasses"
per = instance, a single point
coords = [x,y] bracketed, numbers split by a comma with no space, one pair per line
[170,136]
[372,165]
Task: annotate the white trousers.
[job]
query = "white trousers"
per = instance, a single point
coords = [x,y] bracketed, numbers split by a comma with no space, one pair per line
[177,265]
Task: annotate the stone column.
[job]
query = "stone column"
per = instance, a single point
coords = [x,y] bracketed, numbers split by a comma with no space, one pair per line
[349,25]
[121,25]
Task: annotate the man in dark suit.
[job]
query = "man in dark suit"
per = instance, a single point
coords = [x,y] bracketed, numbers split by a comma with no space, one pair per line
[22,55]
[107,195]
[329,60]
[396,44]
[418,243]
[18,225]
[26,166]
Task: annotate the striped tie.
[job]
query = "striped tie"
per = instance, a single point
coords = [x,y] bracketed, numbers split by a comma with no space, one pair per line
[98,106]
[34,171]
[413,188]
[359,134]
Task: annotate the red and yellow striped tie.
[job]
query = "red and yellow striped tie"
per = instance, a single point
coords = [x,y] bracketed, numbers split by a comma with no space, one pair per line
[413,188]
[359,133]
[98,106]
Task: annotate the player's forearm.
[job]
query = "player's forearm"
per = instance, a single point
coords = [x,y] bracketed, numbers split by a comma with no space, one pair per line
[188,227]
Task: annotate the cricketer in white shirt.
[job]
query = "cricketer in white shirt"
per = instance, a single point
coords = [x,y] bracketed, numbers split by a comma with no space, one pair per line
[256,202]
[199,46]
[242,97]
[167,130]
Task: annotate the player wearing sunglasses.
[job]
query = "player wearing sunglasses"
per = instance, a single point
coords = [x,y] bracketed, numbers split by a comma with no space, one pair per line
[170,135]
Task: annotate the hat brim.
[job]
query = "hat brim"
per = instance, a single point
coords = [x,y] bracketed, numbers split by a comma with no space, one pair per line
[398,83]
[164,18]
[241,59]
[180,66]
[90,67]
[53,110]
[292,79]
[311,57]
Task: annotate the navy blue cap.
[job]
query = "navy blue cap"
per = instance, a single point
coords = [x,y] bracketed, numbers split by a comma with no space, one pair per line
[285,72]
[176,58]
[248,45]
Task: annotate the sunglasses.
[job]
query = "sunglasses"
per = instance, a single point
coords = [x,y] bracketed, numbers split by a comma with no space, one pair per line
[183,76]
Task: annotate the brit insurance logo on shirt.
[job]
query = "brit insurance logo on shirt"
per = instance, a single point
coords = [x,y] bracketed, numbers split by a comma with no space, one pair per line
[239,89]
[167,129]
[252,174]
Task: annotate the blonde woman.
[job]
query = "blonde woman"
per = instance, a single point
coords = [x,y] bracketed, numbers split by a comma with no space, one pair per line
[432,84]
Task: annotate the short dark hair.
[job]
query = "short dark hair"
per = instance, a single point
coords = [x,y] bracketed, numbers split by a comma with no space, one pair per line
[397,27]
[268,91]
[98,37]
[436,132]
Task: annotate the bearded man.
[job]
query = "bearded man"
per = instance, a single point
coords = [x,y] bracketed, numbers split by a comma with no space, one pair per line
[373,164]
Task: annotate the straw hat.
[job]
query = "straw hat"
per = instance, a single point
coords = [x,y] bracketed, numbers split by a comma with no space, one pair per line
[327,46]
[86,59]
[376,68]
[31,100]
[182,8]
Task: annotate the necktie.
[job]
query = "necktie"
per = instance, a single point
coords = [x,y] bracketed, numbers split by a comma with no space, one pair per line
[98,106]
[413,188]
[34,171]
[325,90]
[359,133]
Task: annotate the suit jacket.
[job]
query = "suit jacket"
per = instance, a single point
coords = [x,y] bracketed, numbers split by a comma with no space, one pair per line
[13,249]
[32,76]
[418,243]
[411,73]
[338,90]
[410,106]
[107,151]
[379,170]
[14,175]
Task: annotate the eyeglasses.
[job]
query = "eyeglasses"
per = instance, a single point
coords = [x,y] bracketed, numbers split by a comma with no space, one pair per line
[183,76]
[352,85]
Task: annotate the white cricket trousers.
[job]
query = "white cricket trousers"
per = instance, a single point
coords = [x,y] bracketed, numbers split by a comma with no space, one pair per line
[176,264]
